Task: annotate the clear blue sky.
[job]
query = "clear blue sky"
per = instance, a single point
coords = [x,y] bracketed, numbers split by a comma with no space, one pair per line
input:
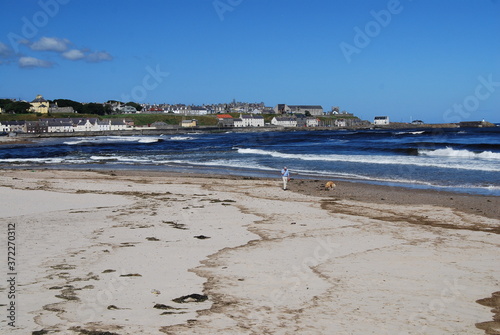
[435,60]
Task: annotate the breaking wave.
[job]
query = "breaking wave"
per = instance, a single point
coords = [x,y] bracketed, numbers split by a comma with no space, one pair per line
[450,152]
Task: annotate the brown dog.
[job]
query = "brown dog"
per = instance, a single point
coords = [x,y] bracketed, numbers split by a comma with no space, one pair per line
[330,185]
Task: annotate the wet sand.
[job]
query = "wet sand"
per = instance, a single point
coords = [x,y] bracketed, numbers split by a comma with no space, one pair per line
[127,252]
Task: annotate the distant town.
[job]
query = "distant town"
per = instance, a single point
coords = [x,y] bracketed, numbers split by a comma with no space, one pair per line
[67,116]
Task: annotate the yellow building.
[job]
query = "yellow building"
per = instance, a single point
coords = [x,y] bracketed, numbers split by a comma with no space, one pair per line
[39,105]
[188,123]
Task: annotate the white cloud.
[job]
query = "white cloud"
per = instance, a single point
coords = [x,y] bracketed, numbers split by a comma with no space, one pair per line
[74,54]
[51,44]
[98,56]
[30,62]
[87,55]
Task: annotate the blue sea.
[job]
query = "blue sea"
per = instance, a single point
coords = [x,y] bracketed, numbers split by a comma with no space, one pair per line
[461,160]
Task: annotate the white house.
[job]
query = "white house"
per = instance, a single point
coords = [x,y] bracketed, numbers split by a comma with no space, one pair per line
[13,126]
[196,110]
[86,125]
[252,120]
[381,120]
[103,125]
[117,124]
[59,126]
[284,121]
[340,123]
[127,109]
[312,122]
[238,122]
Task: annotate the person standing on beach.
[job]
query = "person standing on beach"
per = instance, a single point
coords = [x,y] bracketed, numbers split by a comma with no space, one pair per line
[285,174]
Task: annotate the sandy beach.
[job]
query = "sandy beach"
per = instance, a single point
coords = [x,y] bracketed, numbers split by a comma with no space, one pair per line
[128,252]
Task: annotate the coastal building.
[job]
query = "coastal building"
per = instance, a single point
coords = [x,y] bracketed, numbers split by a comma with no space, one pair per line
[197,110]
[37,127]
[305,109]
[225,120]
[238,122]
[381,120]
[298,109]
[13,126]
[151,110]
[86,124]
[188,123]
[59,126]
[340,123]
[281,109]
[284,121]
[64,125]
[103,125]
[39,105]
[55,109]
[117,124]
[312,122]
[124,109]
[252,120]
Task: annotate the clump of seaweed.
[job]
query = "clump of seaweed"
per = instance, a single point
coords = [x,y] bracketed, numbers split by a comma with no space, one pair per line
[195,297]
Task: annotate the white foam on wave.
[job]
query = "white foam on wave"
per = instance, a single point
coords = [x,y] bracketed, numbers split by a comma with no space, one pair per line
[410,132]
[181,138]
[450,152]
[360,177]
[380,160]
[32,160]
[113,139]
[219,163]
[149,140]
[121,159]
[103,158]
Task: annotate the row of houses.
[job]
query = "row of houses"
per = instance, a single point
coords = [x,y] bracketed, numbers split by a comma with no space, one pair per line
[298,120]
[64,125]
[295,121]
[221,108]
[43,106]
[226,120]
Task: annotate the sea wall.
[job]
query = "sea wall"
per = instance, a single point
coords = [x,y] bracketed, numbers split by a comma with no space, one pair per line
[139,131]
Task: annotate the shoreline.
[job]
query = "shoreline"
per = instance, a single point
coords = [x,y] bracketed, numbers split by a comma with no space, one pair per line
[476,204]
[126,252]
[361,191]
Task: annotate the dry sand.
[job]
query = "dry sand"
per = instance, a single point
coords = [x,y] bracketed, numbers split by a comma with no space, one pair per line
[128,253]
